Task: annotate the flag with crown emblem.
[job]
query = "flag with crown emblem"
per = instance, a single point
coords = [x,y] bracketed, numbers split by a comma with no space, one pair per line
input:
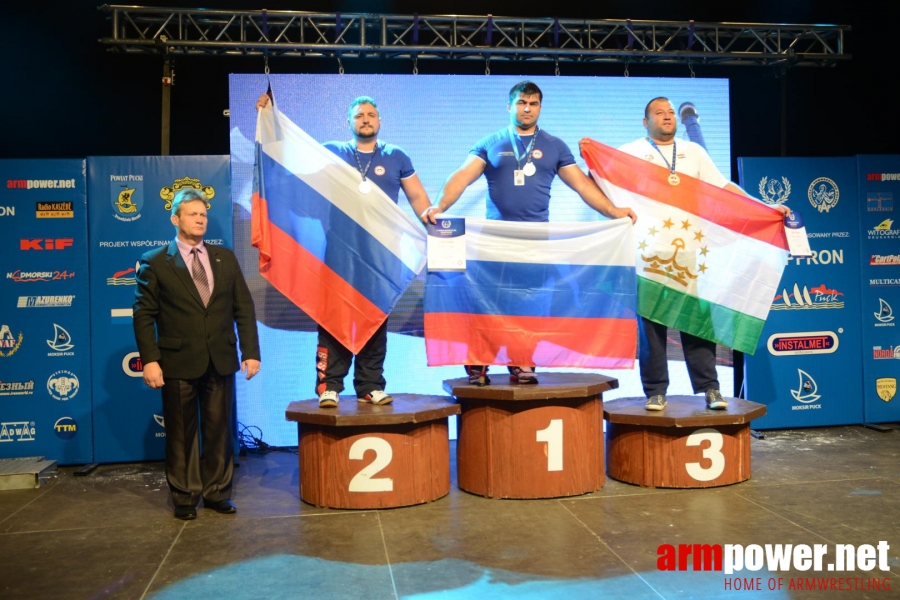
[708,260]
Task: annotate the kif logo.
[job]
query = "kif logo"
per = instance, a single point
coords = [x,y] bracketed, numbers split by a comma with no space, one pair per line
[884,316]
[65,428]
[120,277]
[816,298]
[45,243]
[879,353]
[886,387]
[17,432]
[884,231]
[63,385]
[806,392]
[61,342]
[773,191]
[8,343]
[823,193]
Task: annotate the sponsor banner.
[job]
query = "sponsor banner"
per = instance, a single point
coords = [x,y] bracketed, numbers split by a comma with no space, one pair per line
[45,312]
[807,367]
[879,186]
[131,201]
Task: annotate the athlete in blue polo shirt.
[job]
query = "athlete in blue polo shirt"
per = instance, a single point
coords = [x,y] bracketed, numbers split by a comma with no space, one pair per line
[388,167]
[520,162]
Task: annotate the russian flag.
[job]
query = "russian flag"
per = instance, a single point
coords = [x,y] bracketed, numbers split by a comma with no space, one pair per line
[341,256]
[709,261]
[536,294]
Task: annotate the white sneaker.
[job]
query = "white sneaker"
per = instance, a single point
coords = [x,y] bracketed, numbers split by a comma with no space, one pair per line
[376,397]
[328,399]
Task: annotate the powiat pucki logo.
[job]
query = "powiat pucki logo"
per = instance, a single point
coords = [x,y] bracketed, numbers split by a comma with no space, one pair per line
[736,559]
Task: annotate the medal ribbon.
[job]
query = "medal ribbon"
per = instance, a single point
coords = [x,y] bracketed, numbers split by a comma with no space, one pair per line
[362,171]
[671,166]
[515,146]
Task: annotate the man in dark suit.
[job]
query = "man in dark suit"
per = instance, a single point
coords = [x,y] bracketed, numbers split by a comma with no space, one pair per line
[194,294]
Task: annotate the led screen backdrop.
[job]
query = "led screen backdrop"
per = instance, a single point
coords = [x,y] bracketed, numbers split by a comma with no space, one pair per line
[437,120]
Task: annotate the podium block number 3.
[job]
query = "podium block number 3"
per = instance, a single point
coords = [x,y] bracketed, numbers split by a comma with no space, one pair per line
[553,435]
[713,453]
[364,480]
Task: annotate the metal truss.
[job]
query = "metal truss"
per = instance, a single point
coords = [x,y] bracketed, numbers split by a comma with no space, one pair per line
[184,32]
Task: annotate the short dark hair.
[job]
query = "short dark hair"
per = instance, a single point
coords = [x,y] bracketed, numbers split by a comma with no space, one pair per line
[188,195]
[525,88]
[360,100]
[647,108]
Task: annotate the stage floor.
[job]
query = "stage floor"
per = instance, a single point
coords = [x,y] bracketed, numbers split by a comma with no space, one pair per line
[112,534]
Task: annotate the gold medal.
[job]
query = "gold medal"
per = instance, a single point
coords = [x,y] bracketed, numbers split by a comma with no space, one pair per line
[674,179]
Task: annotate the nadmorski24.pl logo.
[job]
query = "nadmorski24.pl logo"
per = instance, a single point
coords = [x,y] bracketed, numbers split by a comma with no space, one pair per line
[744,561]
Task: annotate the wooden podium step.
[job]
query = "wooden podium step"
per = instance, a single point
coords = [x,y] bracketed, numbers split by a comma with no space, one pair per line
[531,441]
[365,456]
[686,445]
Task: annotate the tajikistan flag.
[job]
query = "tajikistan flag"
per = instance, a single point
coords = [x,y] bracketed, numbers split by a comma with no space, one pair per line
[708,260]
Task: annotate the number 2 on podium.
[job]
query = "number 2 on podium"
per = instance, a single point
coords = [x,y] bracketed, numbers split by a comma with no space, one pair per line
[553,435]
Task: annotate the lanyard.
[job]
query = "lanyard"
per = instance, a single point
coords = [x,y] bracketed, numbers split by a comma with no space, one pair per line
[515,146]
[671,166]
[362,171]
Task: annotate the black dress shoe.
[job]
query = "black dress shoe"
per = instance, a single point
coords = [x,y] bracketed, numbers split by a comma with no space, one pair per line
[185,513]
[225,507]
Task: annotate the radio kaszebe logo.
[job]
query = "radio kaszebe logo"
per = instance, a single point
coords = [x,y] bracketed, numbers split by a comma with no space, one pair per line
[168,192]
[823,193]
[774,191]
[126,193]
[63,385]
[9,342]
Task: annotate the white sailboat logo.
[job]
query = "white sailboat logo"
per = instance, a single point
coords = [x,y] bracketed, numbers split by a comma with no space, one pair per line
[798,298]
[884,314]
[806,392]
[61,341]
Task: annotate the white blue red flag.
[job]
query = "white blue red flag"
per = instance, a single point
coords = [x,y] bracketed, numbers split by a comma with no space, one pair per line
[536,294]
[342,256]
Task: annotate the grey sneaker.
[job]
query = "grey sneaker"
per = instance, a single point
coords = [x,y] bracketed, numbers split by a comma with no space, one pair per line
[376,397]
[328,399]
[715,401]
[522,375]
[657,402]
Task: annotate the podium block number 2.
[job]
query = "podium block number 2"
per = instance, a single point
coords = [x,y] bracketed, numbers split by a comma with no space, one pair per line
[553,435]
[713,453]
[364,481]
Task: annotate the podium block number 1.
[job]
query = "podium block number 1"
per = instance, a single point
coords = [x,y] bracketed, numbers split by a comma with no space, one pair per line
[364,481]
[553,435]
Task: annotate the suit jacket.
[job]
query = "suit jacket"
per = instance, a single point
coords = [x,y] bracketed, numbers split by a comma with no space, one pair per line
[187,335]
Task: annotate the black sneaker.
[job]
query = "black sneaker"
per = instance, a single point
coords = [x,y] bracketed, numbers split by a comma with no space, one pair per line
[522,375]
[478,375]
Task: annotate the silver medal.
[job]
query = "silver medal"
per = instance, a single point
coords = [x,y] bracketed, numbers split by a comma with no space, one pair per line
[365,186]
[529,169]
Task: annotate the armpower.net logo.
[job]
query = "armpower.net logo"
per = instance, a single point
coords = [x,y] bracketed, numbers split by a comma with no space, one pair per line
[741,563]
